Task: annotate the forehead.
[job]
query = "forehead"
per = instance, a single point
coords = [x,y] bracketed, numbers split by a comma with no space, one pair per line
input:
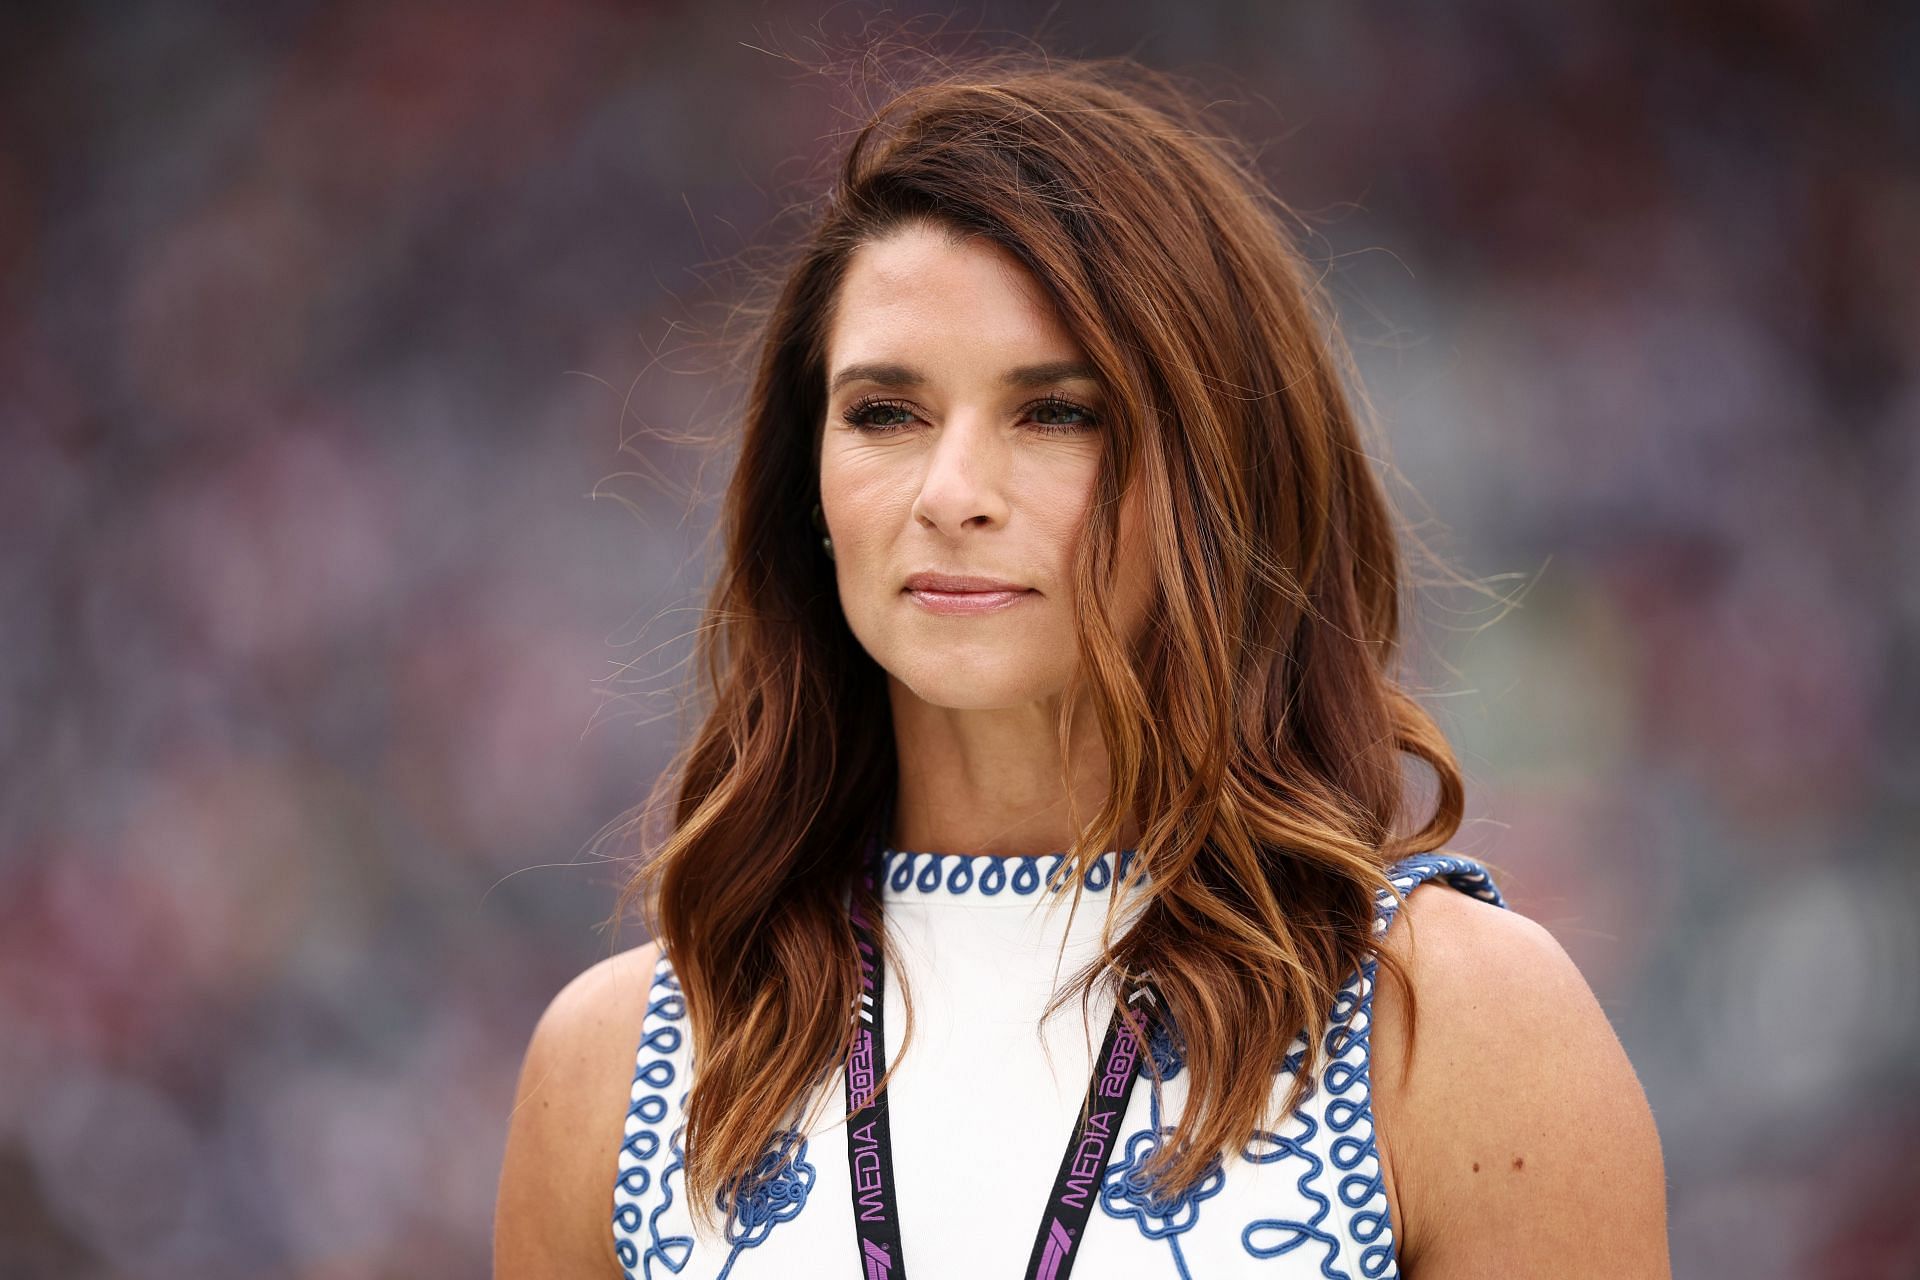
[919,290]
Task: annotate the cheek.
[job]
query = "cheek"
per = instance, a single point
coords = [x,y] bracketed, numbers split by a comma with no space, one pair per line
[861,503]
[869,524]
[1061,502]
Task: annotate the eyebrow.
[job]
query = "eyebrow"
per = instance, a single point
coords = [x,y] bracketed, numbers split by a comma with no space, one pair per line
[889,374]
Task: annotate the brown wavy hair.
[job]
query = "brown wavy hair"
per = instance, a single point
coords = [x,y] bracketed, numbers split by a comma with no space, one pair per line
[1256,730]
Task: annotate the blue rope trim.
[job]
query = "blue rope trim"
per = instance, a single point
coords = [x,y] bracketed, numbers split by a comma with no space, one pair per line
[910,873]
[654,1072]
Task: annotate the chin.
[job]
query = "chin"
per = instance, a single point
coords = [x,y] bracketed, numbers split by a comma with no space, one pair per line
[958,685]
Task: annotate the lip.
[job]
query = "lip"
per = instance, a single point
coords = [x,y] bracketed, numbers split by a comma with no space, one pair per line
[959,594]
[954,583]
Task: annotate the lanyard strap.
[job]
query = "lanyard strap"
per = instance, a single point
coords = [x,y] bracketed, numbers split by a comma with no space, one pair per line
[870,1147]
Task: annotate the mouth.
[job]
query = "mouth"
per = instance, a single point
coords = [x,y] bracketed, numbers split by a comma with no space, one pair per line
[954,594]
[957,584]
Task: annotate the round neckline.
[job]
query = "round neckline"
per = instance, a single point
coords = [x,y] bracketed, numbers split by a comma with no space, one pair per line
[911,876]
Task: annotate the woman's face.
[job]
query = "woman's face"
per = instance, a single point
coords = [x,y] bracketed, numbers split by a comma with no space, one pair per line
[961,440]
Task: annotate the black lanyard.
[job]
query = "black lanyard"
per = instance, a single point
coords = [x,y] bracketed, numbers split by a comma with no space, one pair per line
[870,1147]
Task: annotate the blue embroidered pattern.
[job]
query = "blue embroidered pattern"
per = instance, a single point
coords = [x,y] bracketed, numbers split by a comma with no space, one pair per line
[1330,1143]
[985,875]
[1128,1193]
[1166,1054]
[775,1191]
[1293,1234]
[647,1109]
[1127,1190]
[1349,1108]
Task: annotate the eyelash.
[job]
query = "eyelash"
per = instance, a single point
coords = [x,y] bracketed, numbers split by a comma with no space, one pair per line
[855,415]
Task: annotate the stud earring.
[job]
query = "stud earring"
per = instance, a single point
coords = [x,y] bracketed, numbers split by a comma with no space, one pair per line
[820,523]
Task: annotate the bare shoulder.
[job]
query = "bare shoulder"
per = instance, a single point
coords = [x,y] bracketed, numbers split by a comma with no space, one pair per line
[1516,1136]
[553,1216]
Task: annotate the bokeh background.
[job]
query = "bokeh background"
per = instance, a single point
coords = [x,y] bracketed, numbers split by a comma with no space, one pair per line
[349,543]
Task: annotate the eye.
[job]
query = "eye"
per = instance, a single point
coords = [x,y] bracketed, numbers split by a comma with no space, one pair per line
[867,415]
[859,415]
[1060,404]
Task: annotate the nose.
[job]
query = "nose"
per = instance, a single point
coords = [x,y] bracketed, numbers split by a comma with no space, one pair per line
[965,482]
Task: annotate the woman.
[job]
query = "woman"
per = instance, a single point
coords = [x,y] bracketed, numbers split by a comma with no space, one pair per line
[1030,876]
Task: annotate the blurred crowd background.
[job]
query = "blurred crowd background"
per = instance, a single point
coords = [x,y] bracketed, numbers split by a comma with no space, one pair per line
[349,546]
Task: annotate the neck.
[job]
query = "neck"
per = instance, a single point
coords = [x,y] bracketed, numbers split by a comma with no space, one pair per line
[995,780]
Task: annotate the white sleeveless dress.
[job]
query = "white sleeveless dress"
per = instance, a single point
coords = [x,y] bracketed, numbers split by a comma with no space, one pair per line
[984,1099]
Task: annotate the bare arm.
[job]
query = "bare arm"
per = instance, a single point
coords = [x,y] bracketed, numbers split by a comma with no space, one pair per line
[553,1218]
[1520,1140]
